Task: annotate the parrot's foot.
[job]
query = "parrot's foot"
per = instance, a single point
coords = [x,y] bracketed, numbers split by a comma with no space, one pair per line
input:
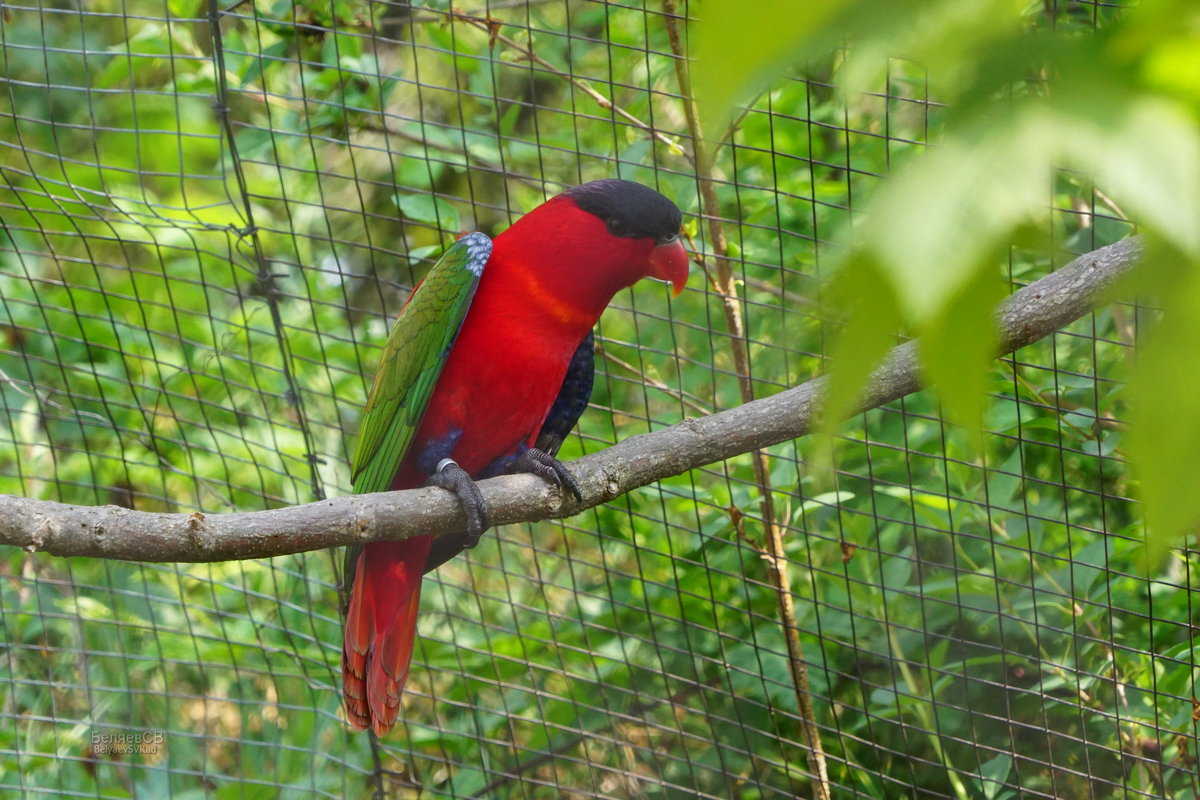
[546,467]
[451,477]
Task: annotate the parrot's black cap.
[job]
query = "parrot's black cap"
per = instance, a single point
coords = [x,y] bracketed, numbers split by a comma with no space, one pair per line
[629,209]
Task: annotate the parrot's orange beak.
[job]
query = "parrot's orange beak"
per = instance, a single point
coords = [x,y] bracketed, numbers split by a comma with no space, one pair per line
[669,262]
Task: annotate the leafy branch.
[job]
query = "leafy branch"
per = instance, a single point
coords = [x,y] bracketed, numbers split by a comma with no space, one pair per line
[1036,311]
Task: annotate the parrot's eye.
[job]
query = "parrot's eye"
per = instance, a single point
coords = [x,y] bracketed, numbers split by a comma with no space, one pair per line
[616,226]
[668,238]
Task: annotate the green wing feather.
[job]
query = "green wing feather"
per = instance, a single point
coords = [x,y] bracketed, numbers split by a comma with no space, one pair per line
[412,360]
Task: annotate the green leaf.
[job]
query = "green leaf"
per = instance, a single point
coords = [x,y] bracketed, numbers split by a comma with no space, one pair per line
[994,773]
[868,335]
[950,210]
[957,347]
[935,501]
[429,209]
[1148,155]
[270,57]
[1164,430]
[826,500]
[739,47]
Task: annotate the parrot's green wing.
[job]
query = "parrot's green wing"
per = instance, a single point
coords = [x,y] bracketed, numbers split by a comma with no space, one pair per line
[412,360]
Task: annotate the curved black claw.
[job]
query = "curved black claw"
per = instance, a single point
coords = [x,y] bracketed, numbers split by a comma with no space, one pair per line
[546,467]
[452,477]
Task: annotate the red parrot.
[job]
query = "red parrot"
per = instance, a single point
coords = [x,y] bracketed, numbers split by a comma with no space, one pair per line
[487,368]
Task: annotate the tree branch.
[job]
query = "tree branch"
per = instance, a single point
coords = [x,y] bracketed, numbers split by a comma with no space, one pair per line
[111,532]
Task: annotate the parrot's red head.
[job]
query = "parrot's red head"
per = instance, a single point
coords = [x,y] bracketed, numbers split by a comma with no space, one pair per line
[577,250]
[647,220]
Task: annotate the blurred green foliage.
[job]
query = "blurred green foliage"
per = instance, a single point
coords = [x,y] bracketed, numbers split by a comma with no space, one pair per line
[975,618]
[1115,96]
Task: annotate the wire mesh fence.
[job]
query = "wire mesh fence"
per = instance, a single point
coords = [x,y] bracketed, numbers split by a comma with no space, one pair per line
[211,211]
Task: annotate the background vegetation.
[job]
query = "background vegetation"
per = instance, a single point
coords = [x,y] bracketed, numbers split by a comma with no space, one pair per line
[205,232]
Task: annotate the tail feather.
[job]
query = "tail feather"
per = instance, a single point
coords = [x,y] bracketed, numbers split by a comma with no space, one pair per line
[381,625]
[355,649]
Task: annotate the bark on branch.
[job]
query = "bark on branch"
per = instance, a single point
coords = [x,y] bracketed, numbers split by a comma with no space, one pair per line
[112,532]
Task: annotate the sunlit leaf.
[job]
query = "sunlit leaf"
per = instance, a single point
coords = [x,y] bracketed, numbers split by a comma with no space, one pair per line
[429,209]
[1148,156]
[957,347]
[951,208]
[739,47]
[870,331]
[1164,432]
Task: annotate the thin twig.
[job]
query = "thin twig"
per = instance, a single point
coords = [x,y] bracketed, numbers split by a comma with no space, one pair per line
[773,536]
[469,159]
[651,381]
[789,298]
[442,16]
[41,399]
[491,26]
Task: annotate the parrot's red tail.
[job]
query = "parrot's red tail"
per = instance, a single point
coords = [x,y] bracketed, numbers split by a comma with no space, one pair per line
[381,626]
